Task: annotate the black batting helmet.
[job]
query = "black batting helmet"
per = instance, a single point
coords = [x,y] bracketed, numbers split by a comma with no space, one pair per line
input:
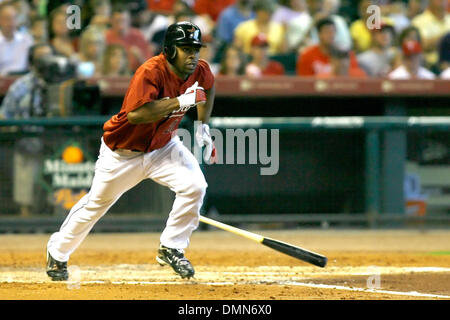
[181,33]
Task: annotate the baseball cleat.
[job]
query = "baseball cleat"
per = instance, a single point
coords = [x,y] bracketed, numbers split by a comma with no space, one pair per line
[56,270]
[176,259]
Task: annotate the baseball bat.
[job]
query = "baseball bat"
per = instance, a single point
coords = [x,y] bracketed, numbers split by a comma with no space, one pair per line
[286,248]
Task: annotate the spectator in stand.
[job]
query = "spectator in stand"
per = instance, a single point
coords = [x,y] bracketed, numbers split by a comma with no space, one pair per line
[18,101]
[90,58]
[316,58]
[444,57]
[205,23]
[14,44]
[101,17]
[341,65]
[161,6]
[202,21]
[410,33]
[287,10]
[37,8]
[260,64]
[328,9]
[380,59]
[411,67]
[25,99]
[153,27]
[51,5]
[360,33]
[60,36]
[156,30]
[246,31]
[231,17]
[23,14]
[154,24]
[233,62]
[415,7]
[131,38]
[298,28]
[115,61]
[433,24]
[39,29]
[208,53]
[137,9]
[212,9]
[402,14]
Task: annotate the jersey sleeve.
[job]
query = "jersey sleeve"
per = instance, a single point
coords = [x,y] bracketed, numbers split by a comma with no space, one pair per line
[143,88]
[206,77]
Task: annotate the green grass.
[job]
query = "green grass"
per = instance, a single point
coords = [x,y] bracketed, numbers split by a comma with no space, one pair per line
[440,253]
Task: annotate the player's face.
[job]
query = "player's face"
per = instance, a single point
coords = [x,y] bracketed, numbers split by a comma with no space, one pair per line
[186,60]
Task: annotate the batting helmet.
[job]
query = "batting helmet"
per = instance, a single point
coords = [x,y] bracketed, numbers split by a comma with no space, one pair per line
[178,34]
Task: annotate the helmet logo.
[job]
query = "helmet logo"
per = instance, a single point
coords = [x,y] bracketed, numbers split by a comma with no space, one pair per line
[195,35]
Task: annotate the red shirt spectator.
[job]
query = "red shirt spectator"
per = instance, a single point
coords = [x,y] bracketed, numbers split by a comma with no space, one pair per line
[211,8]
[273,68]
[314,61]
[165,6]
[261,64]
[132,39]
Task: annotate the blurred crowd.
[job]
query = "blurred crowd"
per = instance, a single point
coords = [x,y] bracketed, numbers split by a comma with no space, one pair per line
[323,38]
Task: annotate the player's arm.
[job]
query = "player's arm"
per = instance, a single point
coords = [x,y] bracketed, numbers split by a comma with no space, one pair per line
[153,111]
[159,109]
[204,110]
[202,134]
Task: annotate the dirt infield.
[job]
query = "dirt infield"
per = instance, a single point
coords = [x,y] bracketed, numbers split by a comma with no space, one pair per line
[362,265]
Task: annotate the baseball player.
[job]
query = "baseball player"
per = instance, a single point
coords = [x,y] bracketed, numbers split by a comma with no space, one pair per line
[139,143]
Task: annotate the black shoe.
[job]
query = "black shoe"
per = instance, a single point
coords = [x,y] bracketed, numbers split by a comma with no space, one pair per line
[175,258]
[56,270]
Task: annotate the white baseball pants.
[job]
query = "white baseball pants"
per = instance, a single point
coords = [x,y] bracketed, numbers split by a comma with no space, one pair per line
[116,172]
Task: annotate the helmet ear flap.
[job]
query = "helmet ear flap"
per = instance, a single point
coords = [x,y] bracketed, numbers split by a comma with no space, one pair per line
[170,52]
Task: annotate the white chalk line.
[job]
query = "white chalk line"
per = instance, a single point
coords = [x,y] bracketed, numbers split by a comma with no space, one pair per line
[152,275]
[281,283]
[368,290]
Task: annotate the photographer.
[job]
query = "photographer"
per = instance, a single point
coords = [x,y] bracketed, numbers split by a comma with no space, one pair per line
[26,99]
[25,96]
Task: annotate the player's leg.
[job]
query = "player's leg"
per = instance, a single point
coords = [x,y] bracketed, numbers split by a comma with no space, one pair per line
[114,175]
[174,166]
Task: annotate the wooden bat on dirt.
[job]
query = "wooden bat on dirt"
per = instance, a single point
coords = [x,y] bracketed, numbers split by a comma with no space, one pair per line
[286,248]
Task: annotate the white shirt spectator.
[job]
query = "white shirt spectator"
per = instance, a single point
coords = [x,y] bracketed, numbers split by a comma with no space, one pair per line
[14,52]
[446,74]
[159,22]
[377,64]
[297,30]
[284,14]
[401,73]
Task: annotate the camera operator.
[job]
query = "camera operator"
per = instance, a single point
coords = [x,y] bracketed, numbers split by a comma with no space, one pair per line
[26,99]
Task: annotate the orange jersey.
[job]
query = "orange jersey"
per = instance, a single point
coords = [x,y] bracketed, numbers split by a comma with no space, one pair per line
[152,81]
